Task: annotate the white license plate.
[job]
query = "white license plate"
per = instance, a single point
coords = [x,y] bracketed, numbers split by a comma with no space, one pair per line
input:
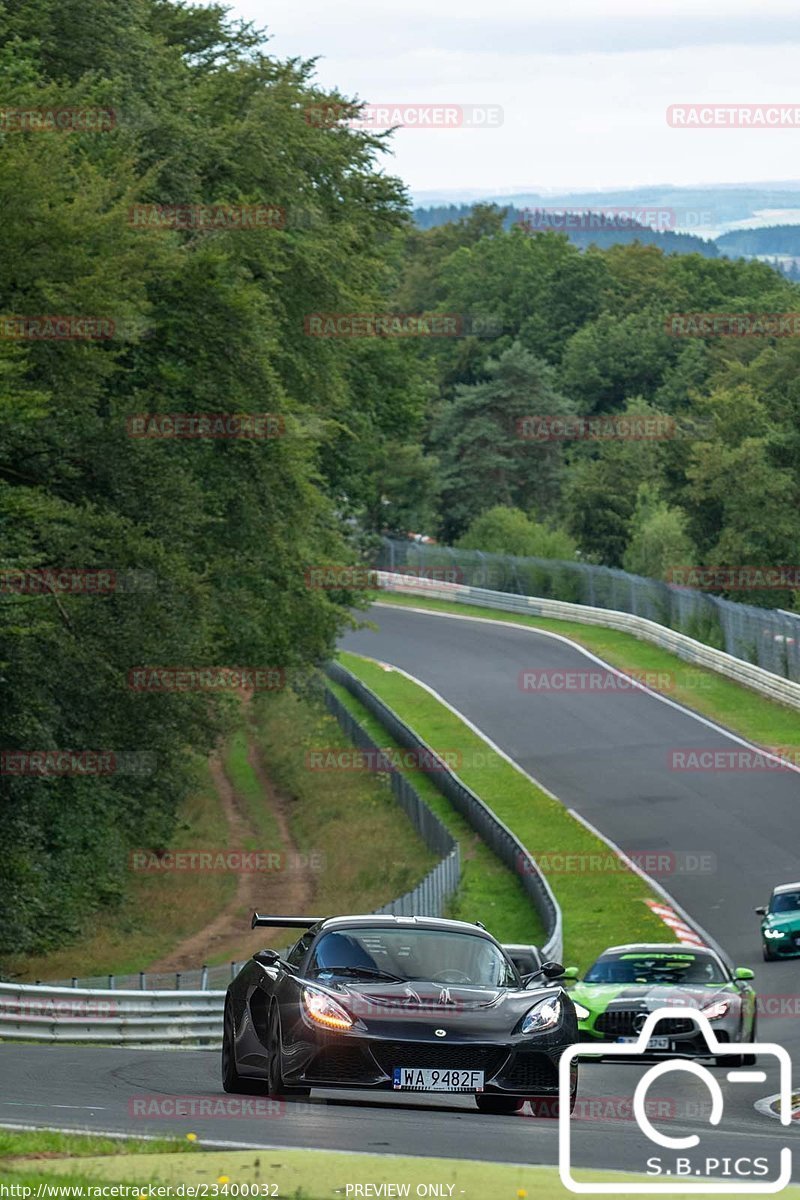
[655,1043]
[415,1079]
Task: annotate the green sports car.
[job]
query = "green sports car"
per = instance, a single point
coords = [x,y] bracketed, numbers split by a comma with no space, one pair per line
[626,983]
[780,922]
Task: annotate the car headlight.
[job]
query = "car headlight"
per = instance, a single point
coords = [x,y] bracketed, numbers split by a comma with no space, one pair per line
[543,1015]
[774,933]
[581,1012]
[716,1010]
[325,1011]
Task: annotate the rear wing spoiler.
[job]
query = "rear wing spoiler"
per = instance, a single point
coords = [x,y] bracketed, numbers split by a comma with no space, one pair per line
[284,922]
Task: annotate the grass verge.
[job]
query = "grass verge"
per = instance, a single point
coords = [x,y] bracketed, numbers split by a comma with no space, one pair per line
[596,915]
[158,912]
[318,1174]
[489,891]
[347,821]
[737,708]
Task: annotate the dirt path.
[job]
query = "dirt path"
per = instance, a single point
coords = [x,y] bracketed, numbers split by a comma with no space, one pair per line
[286,891]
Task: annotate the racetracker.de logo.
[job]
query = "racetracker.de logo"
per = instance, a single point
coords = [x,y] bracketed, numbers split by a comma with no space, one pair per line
[652,862]
[58,1008]
[206,425]
[54,763]
[765,758]
[734,116]
[238,862]
[57,120]
[336,758]
[53,328]
[207,216]
[405,116]
[740,579]
[605,427]
[46,581]
[741,325]
[352,325]
[597,218]
[550,679]
[170,1108]
[206,679]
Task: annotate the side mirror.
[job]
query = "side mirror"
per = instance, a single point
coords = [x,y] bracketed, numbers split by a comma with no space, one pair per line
[552,970]
[267,958]
[570,972]
[761,910]
[743,973]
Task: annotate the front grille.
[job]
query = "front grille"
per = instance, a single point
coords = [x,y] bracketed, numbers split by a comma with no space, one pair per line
[532,1074]
[457,1056]
[341,1064]
[620,1023]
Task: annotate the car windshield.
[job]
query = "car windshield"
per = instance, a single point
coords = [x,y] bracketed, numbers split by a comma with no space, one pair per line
[432,955]
[785,902]
[656,967]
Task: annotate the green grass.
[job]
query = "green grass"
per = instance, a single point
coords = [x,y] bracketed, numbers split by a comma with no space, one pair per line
[738,708]
[247,786]
[489,891]
[600,908]
[368,851]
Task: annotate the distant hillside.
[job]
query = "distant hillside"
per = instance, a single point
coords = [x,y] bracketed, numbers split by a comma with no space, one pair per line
[594,229]
[772,239]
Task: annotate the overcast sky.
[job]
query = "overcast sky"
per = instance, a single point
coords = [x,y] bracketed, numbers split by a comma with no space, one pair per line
[584,84]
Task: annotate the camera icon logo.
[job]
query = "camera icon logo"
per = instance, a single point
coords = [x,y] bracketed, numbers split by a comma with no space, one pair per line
[688,1177]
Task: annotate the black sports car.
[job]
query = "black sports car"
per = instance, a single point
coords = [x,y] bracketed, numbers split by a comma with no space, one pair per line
[404,1004]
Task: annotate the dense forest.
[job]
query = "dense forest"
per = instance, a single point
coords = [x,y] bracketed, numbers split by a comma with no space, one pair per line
[210,539]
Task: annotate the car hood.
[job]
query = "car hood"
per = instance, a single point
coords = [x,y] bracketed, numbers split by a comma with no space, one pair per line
[599,997]
[790,922]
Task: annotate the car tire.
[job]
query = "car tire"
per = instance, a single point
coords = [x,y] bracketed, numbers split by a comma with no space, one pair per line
[499,1104]
[768,955]
[232,1081]
[275,1084]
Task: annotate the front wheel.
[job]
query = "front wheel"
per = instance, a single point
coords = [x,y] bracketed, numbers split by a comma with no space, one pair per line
[275,1084]
[232,1081]
[499,1104]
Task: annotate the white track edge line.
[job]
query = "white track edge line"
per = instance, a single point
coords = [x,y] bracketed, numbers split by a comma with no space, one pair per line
[560,637]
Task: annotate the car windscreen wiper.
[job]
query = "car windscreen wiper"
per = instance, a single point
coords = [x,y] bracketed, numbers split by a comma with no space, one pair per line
[366,972]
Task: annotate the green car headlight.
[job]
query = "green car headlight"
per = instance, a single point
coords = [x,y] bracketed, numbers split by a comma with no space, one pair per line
[774,933]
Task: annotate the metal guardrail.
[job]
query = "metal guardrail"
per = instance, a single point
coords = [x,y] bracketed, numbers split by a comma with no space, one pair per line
[429,897]
[763,637]
[785,691]
[50,1014]
[508,848]
[197,979]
